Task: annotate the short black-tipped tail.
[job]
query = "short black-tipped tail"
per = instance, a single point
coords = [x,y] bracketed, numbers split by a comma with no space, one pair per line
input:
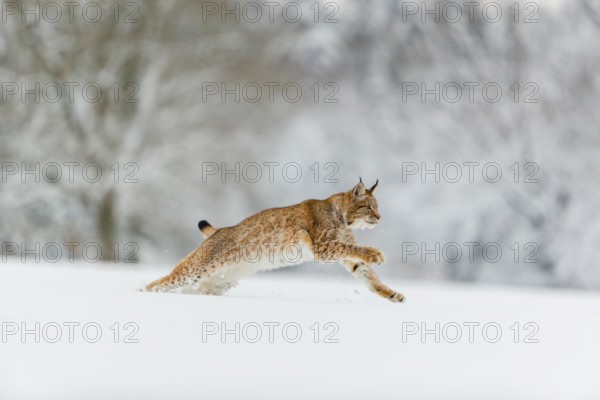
[206,229]
[203,224]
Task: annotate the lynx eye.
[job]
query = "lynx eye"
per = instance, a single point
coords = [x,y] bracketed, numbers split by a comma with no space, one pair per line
[370,208]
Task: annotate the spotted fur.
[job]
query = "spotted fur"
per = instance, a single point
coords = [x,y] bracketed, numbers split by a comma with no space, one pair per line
[314,230]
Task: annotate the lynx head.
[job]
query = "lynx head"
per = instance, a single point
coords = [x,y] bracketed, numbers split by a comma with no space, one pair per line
[361,207]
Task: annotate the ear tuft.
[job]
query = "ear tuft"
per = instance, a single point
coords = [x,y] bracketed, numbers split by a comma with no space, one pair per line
[370,191]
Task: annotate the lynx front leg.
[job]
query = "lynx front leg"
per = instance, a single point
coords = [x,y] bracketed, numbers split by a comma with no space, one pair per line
[366,274]
[339,251]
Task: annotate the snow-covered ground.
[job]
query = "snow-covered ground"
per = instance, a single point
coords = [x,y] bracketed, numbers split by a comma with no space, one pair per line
[289,335]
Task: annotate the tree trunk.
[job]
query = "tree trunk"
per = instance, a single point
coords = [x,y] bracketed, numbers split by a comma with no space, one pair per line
[107,229]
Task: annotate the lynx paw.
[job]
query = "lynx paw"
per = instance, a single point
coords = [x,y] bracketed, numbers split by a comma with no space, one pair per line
[374,256]
[397,298]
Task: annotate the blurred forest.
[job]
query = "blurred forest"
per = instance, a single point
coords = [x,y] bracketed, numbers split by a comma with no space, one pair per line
[159,121]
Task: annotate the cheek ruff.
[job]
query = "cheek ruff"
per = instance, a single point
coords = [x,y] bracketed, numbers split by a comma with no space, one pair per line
[362,225]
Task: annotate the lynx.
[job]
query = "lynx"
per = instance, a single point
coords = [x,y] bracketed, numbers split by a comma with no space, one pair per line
[318,230]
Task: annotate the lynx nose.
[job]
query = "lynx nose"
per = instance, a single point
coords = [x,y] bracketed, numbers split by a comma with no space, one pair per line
[377,215]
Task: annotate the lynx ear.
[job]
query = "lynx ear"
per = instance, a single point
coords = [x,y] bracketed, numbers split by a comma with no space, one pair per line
[359,189]
[370,191]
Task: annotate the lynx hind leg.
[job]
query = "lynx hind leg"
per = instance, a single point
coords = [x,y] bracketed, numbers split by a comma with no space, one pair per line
[183,277]
[366,274]
[214,289]
[168,283]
